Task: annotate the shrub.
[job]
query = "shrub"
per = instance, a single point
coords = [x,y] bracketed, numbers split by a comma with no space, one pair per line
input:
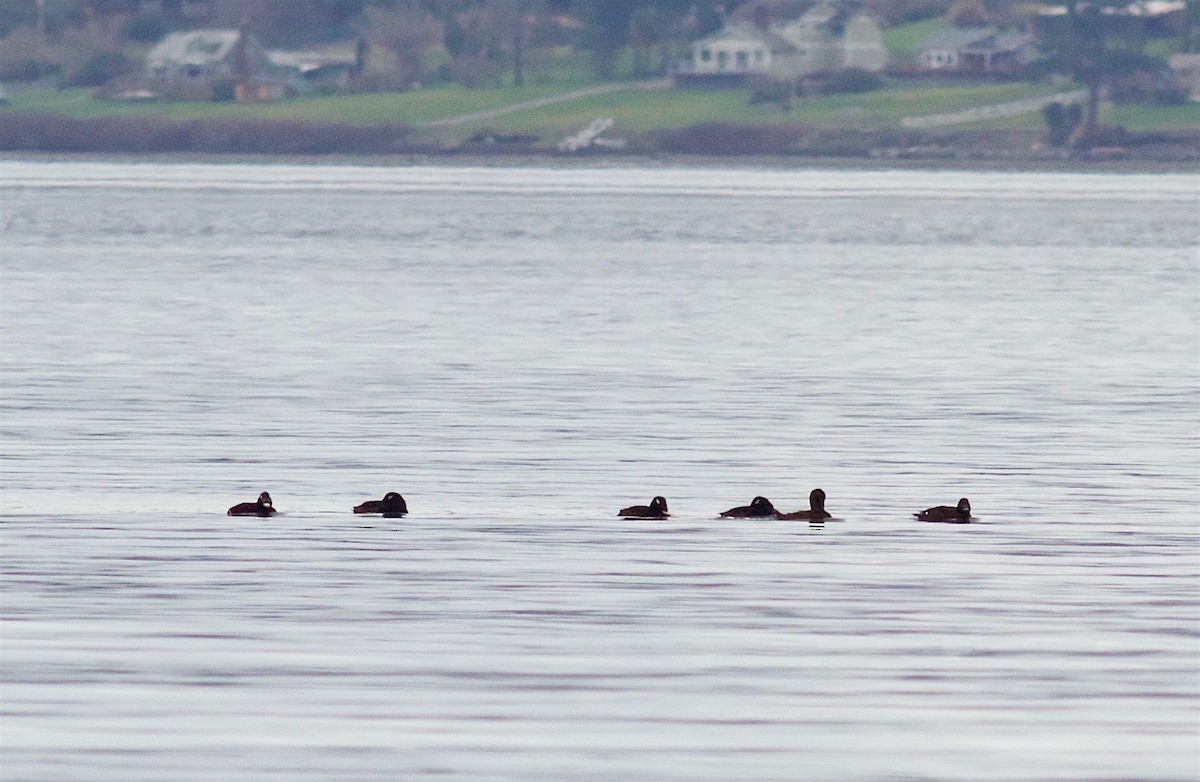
[148,134]
[765,89]
[224,91]
[28,70]
[1157,88]
[472,71]
[24,56]
[852,80]
[1061,119]
[716,138]
[1084,137]
[99,69]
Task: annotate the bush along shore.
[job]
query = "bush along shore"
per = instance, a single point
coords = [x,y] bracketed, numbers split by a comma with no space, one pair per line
[140,135]
[49,133]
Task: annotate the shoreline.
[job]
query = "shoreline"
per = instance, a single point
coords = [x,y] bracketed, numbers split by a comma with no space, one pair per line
[508,159]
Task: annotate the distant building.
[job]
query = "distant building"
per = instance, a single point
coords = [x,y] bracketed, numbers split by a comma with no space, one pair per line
[977,50]
[1186,68]
[1158,18]
[199,62]
[331,66]
[827,38]
[833,38]
[741,49]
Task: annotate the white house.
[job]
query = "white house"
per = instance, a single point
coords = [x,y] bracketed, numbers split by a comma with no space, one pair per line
[210,57]
[825,39]
[975,50]
[833,37]
[942,51]
[740,49]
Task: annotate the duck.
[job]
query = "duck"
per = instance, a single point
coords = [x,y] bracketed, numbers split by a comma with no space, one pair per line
[261,507]
[391,506]
[816,509]
[959,514]
[657,509]
[758,507]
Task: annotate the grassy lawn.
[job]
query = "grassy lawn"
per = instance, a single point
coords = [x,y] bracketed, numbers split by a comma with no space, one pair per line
[366,109]
[1143,119]
[633,110]
[885,108]
[901,41]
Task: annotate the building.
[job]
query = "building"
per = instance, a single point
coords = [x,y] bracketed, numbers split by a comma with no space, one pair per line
[975,50]
[1186,68]
[831,38]
[737,51]
[825,39]
[200,63]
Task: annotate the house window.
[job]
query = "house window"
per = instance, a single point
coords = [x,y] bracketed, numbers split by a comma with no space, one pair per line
[759,55]
[193,71]
[722,60]
[705,55]
[743,60]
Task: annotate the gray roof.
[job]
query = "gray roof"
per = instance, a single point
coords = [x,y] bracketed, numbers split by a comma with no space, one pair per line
[1000,42]
[955,38]
[196,47]
[774,42]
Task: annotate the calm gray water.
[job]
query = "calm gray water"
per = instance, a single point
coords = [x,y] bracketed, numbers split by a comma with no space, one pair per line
[521,352]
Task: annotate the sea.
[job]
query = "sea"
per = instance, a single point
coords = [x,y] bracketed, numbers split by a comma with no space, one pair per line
[522,351]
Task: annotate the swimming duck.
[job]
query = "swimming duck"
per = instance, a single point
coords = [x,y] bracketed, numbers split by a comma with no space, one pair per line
[759,506]
[960,514]
[261,507]
[816,508]
[391,506]
[657,509]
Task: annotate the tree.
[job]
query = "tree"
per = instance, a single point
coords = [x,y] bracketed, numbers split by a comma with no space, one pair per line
[648,28]
[969,13]
[408,32]
[1096,42]
[288,22]
[510,22]
[608,24]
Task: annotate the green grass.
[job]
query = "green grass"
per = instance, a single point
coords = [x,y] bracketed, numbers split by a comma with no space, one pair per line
[634,111]
[1144,119]
[901,41]
[885,108]
[366,109]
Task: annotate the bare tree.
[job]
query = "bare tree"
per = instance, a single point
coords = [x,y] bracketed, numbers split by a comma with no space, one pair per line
[512,21]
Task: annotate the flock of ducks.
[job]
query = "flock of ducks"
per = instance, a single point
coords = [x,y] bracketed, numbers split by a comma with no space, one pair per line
[393,506]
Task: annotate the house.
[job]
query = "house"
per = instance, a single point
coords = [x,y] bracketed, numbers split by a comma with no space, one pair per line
[200,63]
[827,38]
[1157,18]
[835,37]
[978,50]
[1186,68]
[330,66]
[737,51]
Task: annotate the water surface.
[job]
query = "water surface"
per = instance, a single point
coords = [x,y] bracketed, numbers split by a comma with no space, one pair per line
[520,352]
